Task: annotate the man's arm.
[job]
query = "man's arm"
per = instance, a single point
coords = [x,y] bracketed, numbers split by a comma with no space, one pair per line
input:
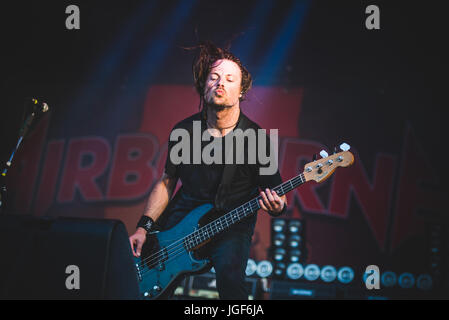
[160,196]
[156,204]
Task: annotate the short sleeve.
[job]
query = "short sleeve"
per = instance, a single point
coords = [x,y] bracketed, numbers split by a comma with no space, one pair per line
[272,179]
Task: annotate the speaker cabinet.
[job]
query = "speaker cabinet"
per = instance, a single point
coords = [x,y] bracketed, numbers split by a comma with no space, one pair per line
[65,258]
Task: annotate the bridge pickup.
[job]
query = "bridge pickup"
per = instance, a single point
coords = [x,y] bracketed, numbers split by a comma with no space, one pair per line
[164,257]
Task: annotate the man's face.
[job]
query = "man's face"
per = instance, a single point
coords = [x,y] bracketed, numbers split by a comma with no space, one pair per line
[223,84]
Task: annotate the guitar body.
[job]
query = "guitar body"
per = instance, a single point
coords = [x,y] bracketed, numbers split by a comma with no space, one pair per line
[164,261]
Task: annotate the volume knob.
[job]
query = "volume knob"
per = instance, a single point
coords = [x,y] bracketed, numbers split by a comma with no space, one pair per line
[157,288]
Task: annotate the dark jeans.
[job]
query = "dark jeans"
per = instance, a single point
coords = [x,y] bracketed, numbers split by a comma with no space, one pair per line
[229,254]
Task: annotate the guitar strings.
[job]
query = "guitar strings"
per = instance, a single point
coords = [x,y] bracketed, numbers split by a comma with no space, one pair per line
[176,250]
[226,218]
[173,254]
[157,255]
[173,249]
[150,260]
[160,253]
[208,226]
[179,250]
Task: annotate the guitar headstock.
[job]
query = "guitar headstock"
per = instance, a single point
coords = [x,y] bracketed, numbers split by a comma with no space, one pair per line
[321,169]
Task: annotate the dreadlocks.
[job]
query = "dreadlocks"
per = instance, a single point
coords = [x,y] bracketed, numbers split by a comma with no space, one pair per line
[202,65]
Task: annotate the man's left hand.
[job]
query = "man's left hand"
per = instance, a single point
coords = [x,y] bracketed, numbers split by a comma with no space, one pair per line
[271,202]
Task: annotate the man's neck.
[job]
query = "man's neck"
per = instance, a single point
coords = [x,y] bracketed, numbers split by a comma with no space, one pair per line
[223,117]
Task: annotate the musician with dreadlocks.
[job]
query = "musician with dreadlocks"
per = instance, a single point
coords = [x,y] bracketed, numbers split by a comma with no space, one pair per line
[222,83]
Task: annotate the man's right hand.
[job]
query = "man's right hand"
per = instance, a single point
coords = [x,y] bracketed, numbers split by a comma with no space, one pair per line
[157,202]
[137,240]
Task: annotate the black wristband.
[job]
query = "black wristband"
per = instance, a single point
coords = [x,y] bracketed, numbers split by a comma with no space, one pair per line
[145,222]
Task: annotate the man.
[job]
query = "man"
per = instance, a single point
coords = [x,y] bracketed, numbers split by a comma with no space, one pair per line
[221,82]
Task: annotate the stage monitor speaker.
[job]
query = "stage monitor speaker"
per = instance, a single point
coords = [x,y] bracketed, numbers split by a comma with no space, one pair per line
[65,258]
[204,286]
[292,290]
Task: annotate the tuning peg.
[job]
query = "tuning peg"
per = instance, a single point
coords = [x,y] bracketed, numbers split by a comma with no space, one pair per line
[345,147]
[314,157]
[323,154]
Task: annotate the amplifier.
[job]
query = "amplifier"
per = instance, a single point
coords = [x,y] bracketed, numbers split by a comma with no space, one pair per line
[297,290]
[204,286]
[65,258]
[290,290]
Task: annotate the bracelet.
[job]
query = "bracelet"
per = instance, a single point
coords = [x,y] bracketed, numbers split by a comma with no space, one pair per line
[145,222]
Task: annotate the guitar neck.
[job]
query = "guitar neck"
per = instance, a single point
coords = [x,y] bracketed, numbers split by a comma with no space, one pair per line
[203,234]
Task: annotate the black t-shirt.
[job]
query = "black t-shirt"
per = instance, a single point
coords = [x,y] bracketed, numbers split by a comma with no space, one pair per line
[200,181]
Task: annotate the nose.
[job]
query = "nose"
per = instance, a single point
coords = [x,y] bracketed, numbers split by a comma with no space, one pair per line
[220,83]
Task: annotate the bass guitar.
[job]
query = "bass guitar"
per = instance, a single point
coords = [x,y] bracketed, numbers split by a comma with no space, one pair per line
[175,253]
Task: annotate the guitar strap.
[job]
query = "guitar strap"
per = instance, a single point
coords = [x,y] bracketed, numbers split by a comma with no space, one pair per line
[229,169]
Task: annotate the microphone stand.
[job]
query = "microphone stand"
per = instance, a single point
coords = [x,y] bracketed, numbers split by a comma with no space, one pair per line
[22,133]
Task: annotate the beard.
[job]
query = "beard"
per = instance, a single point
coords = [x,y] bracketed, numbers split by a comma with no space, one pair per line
[218,104]
[216,107]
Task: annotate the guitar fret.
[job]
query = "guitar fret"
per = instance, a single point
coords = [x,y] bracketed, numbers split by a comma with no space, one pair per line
[225,223]
[191,242]
[195,238]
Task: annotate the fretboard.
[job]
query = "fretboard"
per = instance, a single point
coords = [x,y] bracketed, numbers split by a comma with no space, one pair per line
[223,223]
